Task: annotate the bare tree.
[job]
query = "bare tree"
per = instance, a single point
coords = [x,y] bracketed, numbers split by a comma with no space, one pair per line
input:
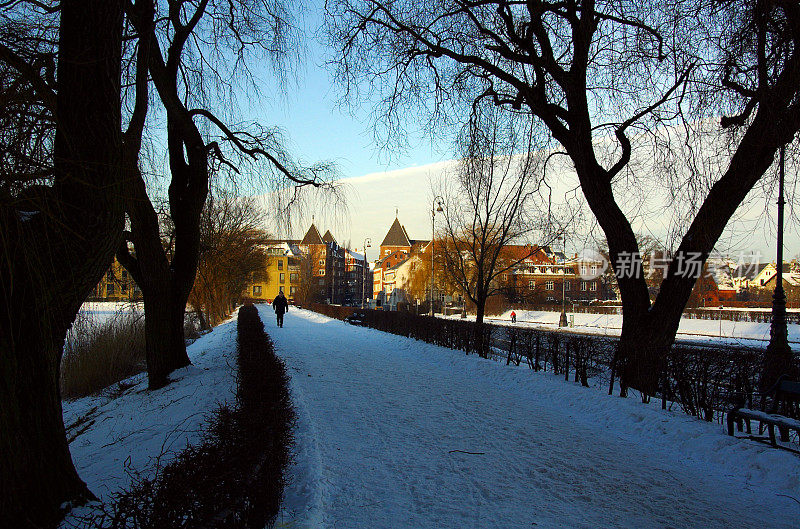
[585,70]
[231,255]
[310,288]
[183,50]
[489,208]
[61,218]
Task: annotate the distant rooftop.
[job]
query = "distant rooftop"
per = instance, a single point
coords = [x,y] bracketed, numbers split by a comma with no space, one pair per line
[312,236]
[396,236]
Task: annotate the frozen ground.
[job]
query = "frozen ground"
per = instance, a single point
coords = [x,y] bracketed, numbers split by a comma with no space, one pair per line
[719,331]
[129,429]
[98,312]
[386,426]
[395,433]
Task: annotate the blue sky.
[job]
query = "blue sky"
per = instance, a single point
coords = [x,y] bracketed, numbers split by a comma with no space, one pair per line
[318,127]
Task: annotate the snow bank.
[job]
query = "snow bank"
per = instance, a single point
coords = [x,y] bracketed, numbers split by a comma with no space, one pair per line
[740,332]
[112,434]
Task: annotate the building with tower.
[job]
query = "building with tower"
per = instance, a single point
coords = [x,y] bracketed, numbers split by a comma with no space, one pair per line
[313,269]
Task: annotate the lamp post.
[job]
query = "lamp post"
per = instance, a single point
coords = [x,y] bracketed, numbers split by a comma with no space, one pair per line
[436,205]
[562,320]
[367,244]
[778,357]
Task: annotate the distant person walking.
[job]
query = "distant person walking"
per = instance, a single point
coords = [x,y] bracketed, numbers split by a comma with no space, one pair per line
[513,317]
[281,306]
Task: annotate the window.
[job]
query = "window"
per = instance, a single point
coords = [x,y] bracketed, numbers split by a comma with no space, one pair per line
[110,289]
[567,285]
[283,278]
[321,272]
[322,262]
[532,284]
[293,277]
[257,290]
[549,285]
[593,286]
[584,270]
[280,264]
[594,269]
[281,290]
[292,290]
[583,286]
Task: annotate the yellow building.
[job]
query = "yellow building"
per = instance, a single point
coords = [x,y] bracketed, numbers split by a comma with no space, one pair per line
[283,275]
[117,285]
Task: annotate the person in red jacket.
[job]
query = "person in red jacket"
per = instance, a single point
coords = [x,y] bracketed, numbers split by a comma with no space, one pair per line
[280,305]
[513,317]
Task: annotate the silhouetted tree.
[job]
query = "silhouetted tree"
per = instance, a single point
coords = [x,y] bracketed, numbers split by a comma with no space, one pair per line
[61,219]
[183,49]
[629,72]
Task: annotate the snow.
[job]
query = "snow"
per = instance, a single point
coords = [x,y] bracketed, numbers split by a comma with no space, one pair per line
[720,331]
[386,425]
[135,431]
[393,432]
[99,312]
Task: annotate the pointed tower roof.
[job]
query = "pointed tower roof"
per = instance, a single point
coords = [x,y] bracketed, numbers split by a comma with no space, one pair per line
[328,237]
[396,235]
[312,236]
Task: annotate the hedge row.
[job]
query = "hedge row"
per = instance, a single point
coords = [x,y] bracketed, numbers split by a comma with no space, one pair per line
[561,352]
[235,477]
[337,312]
[453,334]
[267,417]
[704,381]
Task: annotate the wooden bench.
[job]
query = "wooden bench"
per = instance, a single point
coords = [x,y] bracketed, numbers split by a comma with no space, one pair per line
[784,391]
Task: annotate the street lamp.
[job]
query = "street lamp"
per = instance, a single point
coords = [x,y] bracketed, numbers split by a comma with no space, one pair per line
[436,206]
[367,244]
[778,357]
[562,321]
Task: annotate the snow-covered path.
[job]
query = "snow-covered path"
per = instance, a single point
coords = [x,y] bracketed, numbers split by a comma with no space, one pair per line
[385,423]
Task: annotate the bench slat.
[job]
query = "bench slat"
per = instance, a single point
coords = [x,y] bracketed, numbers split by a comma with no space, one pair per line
[786,391]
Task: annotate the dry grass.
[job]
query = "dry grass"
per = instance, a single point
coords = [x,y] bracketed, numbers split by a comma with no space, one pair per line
[98,354]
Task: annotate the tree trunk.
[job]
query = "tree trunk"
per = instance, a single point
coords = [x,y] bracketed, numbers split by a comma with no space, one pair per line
[480,309]
[163,294]
[164,310]
[37,470]
[644,344]
[52,260]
